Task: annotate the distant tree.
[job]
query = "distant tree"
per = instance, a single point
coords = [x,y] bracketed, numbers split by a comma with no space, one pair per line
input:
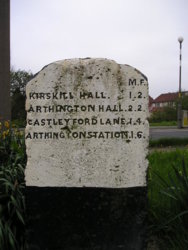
[18,81]
[164,114]
[185,102]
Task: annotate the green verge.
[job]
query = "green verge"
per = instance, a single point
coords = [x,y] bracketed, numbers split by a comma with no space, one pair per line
[166,142]
[163,123]
[168,198]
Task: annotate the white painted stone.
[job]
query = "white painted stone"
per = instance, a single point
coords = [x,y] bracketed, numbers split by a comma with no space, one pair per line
[90,162]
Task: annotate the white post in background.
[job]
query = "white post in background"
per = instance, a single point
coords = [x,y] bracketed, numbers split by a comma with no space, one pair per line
[180,40]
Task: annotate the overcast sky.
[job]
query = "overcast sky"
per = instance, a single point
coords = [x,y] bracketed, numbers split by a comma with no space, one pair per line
[141,33]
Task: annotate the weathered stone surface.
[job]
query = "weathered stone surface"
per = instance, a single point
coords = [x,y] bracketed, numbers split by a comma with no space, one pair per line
[73,137]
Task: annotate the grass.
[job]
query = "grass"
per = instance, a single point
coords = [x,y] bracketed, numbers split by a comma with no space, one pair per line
[163,123]
[12,204]
[19,123]
[168,198]
[162,164]
[168,142]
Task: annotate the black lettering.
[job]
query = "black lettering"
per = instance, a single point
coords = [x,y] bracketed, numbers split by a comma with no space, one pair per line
[101,108]
[87,121]
[29,121]
[71,95]
[117,134]
[31,109]
[108,108]
[82,95]
[38,109]
[48,95]
[120,109]
[131,136]
[54,122]
[35,135]
[139,107]
[94,121]
[80,121]
[141,81]
[67,121]
[90,95]
[45,108]
[139,94]
[129,122]
[28,136]
[83,108]
[82,134]
[54,96]
[42,122]
[107,134]
[125,133]
[116,121]
[90,135]
[41,95]
[132,82]
[58,108]
[32,95]
[49,121]
[130,108]
[108,122]
[101,135]
[75,135]
[60,122]
[36,122]
[41,134]
[101,121]
[138,121]
[91,108]
[102,95]
[51,109]
[48,135]
[94,134]
[97,95]
[69,108]
[76,108]
[63,95]
[112,134]
[55,135]
[61,135]
[122,121]
[139,134]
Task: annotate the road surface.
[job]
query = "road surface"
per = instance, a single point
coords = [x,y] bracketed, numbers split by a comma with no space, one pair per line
[168,132]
